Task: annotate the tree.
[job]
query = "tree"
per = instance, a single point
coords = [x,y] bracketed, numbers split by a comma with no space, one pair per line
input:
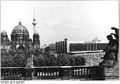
[39,60]
[19,60]
[8,63]
[80,60]
[6,59]
[65,60]
[50,59]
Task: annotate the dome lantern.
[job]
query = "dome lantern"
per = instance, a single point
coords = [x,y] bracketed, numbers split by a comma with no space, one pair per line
[20,23]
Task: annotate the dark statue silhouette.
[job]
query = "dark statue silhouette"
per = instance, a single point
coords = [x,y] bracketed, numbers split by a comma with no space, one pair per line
[111,51]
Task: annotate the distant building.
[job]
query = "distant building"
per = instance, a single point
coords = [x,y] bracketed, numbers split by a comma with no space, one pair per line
[52,47]
[86,46]
[61,46]
[64,47]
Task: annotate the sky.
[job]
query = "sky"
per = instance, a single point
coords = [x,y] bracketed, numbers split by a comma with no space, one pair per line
[56,20]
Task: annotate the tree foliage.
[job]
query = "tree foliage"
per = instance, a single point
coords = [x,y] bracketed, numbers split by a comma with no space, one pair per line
[69,60]
[19,60]
[9,59]
[48,59]
[80,60]
[39,60]
[64,60]
[6,59]
[45,59]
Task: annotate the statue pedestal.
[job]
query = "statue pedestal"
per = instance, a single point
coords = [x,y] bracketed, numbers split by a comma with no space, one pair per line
[111,69]
[112,73]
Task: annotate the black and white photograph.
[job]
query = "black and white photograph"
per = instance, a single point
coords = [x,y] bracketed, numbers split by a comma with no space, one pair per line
[59,40]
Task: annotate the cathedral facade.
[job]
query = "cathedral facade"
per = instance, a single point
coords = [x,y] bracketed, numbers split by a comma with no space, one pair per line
[20,40]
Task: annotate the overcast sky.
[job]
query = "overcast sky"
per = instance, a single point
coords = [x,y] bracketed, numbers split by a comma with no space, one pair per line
[56,20]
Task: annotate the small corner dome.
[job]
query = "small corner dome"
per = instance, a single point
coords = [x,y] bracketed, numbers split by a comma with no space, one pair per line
[4,33]
[36,33]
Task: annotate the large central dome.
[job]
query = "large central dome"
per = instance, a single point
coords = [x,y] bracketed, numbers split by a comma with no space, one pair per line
[20,29]
[20,33]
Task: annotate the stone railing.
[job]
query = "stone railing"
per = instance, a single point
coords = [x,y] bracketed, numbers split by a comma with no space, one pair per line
[53,72]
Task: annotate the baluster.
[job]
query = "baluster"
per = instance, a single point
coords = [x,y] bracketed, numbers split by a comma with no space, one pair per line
[74,72]
[46,74]
[57,73]
[37,73]
[83,72]
[80,72]
[43,73]
[54,74]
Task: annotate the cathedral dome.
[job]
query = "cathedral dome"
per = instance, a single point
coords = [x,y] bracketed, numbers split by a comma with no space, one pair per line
[20,29]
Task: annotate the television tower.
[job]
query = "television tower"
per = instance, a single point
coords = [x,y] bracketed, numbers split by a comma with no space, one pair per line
[34,22]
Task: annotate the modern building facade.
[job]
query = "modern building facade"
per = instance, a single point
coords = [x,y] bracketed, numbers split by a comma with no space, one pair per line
[87,46]
[64,47]
[61,46]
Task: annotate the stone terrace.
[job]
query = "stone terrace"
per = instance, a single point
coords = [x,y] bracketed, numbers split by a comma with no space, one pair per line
[93,59]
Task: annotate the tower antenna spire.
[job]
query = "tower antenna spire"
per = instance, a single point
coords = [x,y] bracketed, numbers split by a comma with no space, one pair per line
[34,22]
[34,13]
